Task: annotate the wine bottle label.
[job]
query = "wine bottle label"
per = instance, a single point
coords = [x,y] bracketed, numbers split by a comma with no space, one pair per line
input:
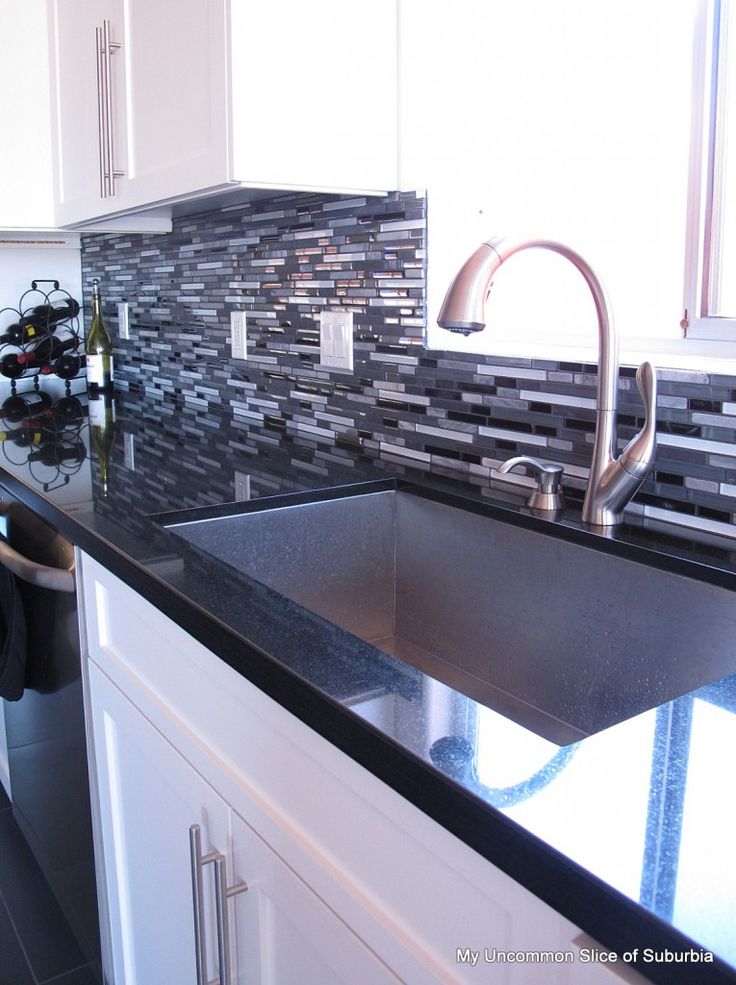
[99,369]
[97,413]
[101,413]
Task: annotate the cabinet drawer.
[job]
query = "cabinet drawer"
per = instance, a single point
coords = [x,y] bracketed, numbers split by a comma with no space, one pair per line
[412,891]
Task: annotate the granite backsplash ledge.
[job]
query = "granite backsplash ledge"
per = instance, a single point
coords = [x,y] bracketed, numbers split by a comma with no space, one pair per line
[285,259]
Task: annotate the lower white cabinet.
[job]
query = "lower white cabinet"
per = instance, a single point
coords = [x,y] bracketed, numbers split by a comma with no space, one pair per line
[347,881]
[151,804]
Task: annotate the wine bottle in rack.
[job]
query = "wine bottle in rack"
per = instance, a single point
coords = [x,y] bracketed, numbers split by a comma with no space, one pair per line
[39,322]
[13,334]
[22,437]
[47,351]
[44,316]
[12,367]
[69,452]
[24,406]
[67,366]
[69,410]
[99,348]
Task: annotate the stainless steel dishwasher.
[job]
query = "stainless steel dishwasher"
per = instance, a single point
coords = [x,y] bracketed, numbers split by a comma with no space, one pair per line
[45,729]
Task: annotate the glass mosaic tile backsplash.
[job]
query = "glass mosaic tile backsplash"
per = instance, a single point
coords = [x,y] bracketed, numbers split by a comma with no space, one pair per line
[285,259]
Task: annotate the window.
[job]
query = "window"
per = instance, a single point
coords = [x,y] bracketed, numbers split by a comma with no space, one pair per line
[710,288]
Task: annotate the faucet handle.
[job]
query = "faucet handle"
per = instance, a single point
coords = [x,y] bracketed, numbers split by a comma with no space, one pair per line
[638,455]
[548,475]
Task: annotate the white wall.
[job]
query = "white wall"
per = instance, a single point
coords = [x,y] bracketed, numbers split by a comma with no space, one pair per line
[569,120]
[55,257]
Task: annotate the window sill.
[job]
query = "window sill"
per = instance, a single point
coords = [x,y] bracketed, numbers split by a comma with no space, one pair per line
[693,355]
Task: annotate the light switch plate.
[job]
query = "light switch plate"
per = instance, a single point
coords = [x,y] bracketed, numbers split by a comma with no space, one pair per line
[238,334]
[242,487]
[336,339]
[123,320]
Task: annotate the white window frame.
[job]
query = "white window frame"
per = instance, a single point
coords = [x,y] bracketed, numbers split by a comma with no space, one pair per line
[701,214]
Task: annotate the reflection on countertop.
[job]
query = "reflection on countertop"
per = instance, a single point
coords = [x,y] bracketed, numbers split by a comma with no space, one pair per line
[647,806]
[44,434]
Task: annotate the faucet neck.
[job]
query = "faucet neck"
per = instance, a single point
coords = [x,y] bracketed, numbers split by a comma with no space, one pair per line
[607,336]
[604,446]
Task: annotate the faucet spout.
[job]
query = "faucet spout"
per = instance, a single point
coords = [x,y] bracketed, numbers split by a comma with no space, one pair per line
[612,481]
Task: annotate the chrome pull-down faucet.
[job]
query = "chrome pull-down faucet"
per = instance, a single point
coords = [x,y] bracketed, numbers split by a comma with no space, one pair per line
[612,481]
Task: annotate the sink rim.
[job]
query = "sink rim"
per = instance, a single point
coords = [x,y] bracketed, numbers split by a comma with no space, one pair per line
[561,694]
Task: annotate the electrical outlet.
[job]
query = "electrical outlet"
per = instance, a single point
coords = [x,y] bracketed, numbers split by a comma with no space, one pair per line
[242,487]
[238,335]
[336,339]
[123,320]
[129,450]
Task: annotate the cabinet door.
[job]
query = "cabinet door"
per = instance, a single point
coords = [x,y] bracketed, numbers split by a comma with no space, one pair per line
[149,797]
[325,112]
[75,109]
[283,934]
[177,99]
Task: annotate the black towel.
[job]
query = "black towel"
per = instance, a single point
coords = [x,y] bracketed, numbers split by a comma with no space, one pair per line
[12,637]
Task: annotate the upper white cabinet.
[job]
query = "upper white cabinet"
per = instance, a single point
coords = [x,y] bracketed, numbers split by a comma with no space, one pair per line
[154,104]
[26,188]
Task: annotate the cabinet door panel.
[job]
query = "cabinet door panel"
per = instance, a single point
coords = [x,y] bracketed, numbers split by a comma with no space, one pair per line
[325,113]
[74,103]
[149,798]
[177,106]
[283,933]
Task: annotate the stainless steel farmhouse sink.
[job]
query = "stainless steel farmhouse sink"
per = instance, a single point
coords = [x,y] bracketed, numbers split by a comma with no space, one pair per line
[561,638]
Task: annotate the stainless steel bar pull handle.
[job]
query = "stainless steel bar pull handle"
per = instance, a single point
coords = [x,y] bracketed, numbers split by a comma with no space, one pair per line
[223,894]
[108,47]
[197,861]
[101,110]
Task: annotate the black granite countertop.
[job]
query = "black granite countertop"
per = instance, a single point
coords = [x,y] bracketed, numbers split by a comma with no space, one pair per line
[628,833]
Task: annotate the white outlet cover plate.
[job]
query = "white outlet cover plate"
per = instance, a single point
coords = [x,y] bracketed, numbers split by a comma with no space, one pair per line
[129,450]
[238,334]
[242,487]
[336,339]
[123,319]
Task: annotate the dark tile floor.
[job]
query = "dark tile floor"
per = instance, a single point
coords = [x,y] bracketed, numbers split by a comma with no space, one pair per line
[36,945]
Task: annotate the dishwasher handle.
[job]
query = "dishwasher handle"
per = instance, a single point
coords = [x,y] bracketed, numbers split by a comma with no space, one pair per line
[40,575]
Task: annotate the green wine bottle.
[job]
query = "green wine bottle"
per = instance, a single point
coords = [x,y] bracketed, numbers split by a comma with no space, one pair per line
[99,348]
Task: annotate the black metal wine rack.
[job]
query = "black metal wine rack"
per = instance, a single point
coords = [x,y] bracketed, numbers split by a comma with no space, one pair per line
[68,330]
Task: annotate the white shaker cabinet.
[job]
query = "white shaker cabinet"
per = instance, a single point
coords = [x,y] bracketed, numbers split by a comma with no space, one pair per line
[140,99]
[153,807]
[157,102]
